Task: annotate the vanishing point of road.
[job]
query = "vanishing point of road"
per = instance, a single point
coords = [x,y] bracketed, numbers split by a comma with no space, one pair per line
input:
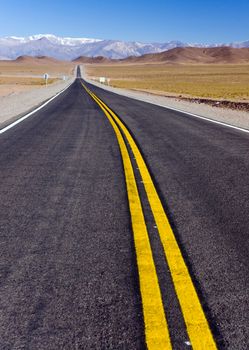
[124,225]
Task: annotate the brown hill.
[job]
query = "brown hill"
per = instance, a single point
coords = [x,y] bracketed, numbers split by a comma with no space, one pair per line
[85,59]
[36,60]
[194,55]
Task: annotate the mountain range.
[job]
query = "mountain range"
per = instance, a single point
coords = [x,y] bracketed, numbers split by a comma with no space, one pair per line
[65,48]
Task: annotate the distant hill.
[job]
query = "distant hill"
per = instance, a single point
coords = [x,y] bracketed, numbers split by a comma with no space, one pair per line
[194,55]
[85,59]
[35,60]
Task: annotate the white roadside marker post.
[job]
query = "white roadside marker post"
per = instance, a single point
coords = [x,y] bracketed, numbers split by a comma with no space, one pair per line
[102,80]
[46,76]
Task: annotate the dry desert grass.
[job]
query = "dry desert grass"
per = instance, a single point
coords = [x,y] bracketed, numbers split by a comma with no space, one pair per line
[28,66]
[26,73]
[215,81]
[17,80]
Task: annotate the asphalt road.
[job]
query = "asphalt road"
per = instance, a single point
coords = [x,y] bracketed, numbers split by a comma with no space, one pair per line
[68,271]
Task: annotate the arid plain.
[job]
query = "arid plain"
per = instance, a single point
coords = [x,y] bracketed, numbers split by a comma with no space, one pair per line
[223,81]
[217,73]
[26,73]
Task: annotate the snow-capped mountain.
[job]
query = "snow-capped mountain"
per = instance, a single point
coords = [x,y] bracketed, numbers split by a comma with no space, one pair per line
[66,48]
[70,48]
[240,44]
[12,40]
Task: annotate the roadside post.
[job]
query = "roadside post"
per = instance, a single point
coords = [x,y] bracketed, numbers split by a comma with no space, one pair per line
[102,80]
[46,76]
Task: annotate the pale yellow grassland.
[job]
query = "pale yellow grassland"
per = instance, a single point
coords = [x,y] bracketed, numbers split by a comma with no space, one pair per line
[16,77]
[207,81]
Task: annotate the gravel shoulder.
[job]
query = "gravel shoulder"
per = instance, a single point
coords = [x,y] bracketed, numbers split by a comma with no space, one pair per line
[225,115]
[15,105]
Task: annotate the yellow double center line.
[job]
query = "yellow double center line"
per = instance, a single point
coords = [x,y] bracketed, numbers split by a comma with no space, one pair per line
[156,328]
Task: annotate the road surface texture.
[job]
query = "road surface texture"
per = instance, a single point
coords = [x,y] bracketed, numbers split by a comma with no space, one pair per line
[70,274]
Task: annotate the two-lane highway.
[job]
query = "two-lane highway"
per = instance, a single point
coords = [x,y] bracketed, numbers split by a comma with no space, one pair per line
[68,268]
[88,259]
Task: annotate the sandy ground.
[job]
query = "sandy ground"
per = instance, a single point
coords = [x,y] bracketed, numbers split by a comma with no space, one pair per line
[15,84]
[10,89]
[226,115]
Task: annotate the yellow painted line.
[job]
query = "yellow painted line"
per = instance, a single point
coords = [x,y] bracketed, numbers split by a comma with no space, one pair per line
[156,328]
[198,329]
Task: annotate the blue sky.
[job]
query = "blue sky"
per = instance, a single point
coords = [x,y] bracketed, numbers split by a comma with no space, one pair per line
[148,20]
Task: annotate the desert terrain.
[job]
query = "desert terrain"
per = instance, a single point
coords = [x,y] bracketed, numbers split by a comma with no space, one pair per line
[217,73]
[26,73]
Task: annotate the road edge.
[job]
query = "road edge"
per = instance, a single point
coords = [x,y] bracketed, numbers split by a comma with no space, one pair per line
[19,118]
